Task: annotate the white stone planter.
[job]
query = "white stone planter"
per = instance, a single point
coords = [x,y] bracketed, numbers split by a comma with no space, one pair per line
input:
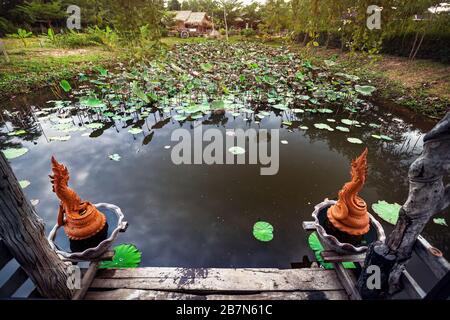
[332,243]
[95,252]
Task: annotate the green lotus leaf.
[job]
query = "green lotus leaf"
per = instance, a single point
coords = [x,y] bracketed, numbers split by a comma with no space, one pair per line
[343,129]
[125,256]
[138,92]
[207,67]
[440,221]
[17,133]
[382,137]
[263,231]
[349,122]
[135,130]
[24,183]
[325,110]
[114,157]
[355,140]
[13,153]
[179,117]
[94,125]
[387,211]
[236,150]
[323,126]
[365,90]
[60,138]
[65,85]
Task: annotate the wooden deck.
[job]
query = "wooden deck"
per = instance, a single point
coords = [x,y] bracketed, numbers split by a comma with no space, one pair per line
[216,284]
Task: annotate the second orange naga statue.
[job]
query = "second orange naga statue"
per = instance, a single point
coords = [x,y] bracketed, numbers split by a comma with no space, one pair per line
[349,214]
[81,219]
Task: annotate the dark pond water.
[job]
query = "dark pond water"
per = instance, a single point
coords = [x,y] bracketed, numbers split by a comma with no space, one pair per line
[202,215]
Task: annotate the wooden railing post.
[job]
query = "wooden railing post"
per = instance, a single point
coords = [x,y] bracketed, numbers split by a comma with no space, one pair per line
[22,231]
[427,196]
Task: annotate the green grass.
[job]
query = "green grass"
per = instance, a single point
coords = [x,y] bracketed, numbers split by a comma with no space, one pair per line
[33,66]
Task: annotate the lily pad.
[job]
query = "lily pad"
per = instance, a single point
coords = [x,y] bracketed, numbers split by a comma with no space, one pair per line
[125,256]
[440,221]
[135,130]
[281,107]
[206,67]
[325,110]
[343,129]
[263,231]
[382,137]
[24,183]
[17,133]
[65,85]
[60,138]
[323,126]
[365,90]
[179,117]
[236,150]
[114,157]
[95,125]
[387,211]
[349,122]
[13,153]
[355,140]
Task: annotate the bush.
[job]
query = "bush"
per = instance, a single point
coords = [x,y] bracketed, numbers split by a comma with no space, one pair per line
[248,32]
[93,36]
[6,26]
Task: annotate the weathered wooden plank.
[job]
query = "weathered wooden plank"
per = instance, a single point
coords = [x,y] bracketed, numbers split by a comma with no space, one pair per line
[332,256]
[5,255]
[348,280]
[185,279]
[133,294]
[432,257]
[13,283]
[86,281]
[411,286]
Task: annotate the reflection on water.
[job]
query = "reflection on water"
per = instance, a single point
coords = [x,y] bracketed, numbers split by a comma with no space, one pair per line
[200,215]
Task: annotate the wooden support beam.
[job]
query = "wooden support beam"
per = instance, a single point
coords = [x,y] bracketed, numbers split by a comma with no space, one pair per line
[86,281]
[411,286]
[22,231]
[348,280]
[17,279]
[432,257]
[333,257]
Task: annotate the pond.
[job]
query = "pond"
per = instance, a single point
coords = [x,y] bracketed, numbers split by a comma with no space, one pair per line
[203,215]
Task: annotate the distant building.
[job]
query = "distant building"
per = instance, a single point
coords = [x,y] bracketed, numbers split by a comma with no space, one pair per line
[198,22]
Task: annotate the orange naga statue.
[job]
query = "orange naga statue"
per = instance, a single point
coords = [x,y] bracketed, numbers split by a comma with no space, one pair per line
[349,214]
[81,219]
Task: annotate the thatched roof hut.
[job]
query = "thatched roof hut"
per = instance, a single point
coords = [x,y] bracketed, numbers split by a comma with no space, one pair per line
[188,19]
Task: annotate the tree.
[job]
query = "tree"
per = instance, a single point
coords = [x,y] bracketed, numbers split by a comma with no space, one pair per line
[276,16]
[174,5]
[37,11]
